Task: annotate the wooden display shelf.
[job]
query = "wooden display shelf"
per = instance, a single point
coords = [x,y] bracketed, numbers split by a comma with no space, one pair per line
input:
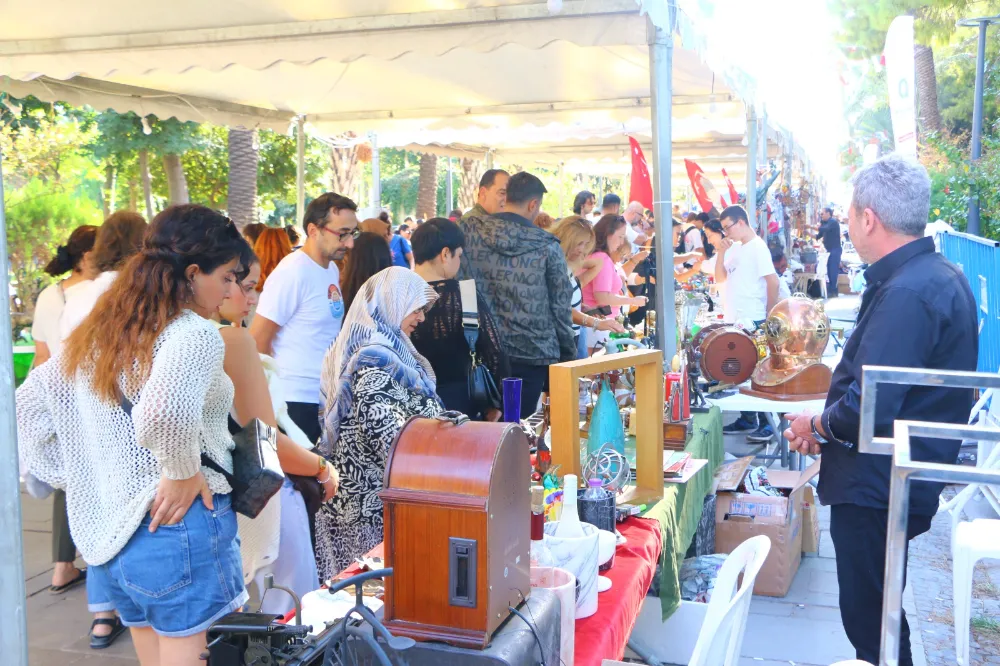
[564,394]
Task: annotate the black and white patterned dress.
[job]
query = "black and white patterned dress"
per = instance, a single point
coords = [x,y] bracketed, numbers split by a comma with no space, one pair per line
[350,524]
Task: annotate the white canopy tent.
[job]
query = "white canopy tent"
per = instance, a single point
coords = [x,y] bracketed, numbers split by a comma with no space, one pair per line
[405,66]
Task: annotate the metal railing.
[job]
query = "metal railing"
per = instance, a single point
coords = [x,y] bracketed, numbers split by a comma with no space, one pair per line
[905,470]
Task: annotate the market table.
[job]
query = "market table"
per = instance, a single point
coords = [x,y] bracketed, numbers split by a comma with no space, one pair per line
[679,512]
[604,634]
[775,411]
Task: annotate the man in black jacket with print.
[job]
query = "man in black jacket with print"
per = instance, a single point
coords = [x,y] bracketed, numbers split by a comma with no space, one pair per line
[521,272]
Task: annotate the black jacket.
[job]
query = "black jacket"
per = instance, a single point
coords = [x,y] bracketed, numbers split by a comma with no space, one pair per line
[917,312]
[521,272]
[829,232]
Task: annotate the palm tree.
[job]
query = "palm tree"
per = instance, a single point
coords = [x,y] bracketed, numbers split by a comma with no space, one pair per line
[927,97]
[427,186]
[471,173]
[242,200]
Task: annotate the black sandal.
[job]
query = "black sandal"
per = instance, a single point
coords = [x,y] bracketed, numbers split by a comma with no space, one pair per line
[66,587]
[101,642]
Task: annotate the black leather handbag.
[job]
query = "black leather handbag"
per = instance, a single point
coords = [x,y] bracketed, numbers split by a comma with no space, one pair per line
[257,475]
[483,391]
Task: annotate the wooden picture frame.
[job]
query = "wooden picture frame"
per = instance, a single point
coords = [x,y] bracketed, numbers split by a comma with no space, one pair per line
[564,396]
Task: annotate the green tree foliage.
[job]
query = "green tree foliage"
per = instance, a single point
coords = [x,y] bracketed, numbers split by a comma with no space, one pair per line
[957,81]
[277,167]
[864,22]
[40,217]
[207,169]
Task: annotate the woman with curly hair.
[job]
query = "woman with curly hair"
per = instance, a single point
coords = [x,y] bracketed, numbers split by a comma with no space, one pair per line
[124,421]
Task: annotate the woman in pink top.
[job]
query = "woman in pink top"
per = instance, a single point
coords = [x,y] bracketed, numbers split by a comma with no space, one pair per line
[604,295]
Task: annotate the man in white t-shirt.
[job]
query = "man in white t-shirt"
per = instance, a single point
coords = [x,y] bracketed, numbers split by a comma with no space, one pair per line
[693,241]
[301,308]
[751,290]
[745,267]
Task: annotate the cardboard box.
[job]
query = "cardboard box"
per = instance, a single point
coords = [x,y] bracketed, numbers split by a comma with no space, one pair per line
[844,284]
[810,521]
[740,516]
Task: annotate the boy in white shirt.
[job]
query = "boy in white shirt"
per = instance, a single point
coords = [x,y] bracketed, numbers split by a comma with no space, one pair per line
[301,308]
[744,266]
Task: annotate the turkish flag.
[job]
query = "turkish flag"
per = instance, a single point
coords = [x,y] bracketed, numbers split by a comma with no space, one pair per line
[704,191]
[734,196]
[640,187]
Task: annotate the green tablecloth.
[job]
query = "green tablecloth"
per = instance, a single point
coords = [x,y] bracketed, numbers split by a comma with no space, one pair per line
[681,508]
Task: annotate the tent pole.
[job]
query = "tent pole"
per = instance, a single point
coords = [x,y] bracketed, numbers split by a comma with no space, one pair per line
[787,178]
[13,623]
[752,166]
[449,190]
[762,161]
[376,176]
[559,180]
[661,62]
[300,169]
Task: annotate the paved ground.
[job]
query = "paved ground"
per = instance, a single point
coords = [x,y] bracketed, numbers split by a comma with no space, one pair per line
[58,625]
[931,582]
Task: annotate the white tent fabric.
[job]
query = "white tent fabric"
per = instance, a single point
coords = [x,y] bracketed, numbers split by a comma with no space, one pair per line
[538,86]
[359,65]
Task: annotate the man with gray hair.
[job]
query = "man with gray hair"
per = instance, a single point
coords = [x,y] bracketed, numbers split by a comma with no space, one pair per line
[917,312]
[633,216]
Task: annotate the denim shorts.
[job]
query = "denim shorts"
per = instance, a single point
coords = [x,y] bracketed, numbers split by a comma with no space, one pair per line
[181,578]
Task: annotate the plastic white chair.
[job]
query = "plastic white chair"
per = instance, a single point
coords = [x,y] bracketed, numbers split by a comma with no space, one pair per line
[971,542]
[721,635]
[978,539]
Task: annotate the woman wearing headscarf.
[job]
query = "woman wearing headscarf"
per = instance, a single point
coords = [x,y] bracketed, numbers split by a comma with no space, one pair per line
[373,380]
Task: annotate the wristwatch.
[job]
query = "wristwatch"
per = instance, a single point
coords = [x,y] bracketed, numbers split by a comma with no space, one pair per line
[815,432]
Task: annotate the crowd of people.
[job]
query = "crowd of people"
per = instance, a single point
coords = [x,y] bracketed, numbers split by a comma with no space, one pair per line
[164,340]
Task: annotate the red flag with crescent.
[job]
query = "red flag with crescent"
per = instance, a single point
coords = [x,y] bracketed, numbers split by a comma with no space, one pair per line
[704,191]
[734,196]
[640,187]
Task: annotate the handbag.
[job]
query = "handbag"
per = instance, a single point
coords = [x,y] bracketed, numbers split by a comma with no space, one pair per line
[483,391]
[257,475]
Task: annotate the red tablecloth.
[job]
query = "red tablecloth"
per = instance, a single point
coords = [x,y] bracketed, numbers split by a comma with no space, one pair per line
[604,634]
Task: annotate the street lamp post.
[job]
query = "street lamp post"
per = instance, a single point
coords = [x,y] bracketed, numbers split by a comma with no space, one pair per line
[977,110]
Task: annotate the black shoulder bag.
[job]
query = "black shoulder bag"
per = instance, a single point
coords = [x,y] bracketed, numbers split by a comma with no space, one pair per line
[257,474]
[483,392]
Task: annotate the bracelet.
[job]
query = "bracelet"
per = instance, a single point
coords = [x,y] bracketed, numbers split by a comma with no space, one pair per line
[322,464]
[329,477]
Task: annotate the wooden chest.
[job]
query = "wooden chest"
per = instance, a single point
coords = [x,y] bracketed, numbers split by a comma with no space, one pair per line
[457,529]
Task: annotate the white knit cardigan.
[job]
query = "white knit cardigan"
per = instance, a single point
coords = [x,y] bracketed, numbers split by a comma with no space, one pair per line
[110,464]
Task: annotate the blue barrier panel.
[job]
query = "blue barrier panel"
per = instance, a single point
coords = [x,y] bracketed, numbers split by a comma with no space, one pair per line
[979,259]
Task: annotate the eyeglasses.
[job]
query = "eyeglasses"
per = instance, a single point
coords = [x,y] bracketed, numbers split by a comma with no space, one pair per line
[725,230]
[353,233]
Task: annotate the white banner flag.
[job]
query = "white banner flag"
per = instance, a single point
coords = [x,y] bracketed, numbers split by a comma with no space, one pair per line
[899,67]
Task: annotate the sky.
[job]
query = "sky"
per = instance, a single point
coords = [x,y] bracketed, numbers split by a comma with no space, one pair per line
[787,47]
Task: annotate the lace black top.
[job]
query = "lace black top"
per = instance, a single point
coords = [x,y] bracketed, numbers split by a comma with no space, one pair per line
[441,341]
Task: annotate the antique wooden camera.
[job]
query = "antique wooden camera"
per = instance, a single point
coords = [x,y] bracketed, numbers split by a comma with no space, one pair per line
[457,528]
